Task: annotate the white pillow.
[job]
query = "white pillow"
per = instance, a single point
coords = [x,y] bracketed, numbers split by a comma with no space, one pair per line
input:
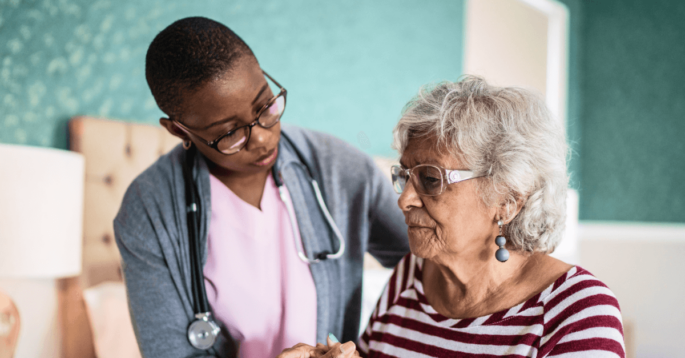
[110,321]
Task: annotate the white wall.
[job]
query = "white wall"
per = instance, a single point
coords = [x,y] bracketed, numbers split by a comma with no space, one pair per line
[506,42]
[643,264]
[521,43]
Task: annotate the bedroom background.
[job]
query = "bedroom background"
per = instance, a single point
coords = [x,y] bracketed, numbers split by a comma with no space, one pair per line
[350,67]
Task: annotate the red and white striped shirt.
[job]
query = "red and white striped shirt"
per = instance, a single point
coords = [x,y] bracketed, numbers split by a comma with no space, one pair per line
[577,316]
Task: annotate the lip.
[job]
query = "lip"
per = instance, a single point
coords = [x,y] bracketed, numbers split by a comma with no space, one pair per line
[267,159]
[417,225]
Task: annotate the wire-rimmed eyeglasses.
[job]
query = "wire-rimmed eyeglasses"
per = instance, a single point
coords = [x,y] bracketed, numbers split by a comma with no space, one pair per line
[427,179]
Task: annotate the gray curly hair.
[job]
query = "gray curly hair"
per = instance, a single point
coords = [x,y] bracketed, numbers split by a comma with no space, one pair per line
[507,135]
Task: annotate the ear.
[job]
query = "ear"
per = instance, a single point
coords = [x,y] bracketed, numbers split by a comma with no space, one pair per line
[173,129]
[507,217]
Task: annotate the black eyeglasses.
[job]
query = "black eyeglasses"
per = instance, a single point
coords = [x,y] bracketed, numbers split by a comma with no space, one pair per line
[427,179]
[236,139]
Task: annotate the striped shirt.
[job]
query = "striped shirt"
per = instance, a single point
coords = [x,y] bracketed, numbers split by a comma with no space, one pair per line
[576,316]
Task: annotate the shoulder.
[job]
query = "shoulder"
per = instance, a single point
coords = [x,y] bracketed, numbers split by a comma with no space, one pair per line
[150,193]
[329,152]
[404,276]
[579,308]
[312,139]
[578,288]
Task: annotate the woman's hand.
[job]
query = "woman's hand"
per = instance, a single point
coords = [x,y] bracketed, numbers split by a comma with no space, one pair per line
[332,350]
[337,350]
[302,350]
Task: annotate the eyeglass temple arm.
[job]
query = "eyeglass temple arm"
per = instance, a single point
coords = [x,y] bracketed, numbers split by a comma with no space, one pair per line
[275,82]
[455,176]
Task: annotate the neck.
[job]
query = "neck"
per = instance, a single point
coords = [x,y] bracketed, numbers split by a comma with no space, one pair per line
[247,186]
[470,284]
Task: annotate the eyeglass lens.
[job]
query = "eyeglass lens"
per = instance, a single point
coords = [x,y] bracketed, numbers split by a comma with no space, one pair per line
[268,118]
[426,179]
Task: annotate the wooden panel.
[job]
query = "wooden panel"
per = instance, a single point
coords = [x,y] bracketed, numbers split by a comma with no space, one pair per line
[77,337]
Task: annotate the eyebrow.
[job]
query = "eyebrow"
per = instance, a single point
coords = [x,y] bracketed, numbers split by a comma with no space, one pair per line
[420,161]
[226,120]
[266,85]
[232,118]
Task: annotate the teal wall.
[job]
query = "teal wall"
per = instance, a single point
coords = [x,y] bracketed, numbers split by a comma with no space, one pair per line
[627,109]
[633,87]
[349,67]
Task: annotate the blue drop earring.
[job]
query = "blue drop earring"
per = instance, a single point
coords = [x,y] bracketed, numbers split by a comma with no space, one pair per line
[502,254]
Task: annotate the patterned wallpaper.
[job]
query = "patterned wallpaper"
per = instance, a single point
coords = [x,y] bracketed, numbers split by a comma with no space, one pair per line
[61,58]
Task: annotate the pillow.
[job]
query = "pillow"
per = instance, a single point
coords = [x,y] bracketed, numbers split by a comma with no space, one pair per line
[110,321]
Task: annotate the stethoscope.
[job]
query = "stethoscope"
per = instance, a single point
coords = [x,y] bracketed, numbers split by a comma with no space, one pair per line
[203,331]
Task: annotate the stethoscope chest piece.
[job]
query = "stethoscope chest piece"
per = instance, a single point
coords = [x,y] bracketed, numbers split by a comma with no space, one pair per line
[203,331]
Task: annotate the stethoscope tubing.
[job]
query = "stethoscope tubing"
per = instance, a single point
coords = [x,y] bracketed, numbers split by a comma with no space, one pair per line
[203,331]
[326,214]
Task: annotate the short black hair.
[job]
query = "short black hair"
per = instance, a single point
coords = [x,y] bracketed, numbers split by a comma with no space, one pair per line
[186,55]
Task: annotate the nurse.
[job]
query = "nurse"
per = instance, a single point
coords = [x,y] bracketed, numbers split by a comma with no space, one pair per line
[275,269]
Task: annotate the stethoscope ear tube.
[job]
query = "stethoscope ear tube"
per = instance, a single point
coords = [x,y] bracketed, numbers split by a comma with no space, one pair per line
[324,210]
[331,222]
[203,331]
[322,206]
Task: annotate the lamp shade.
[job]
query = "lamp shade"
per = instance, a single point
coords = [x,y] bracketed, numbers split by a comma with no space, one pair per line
[41,212]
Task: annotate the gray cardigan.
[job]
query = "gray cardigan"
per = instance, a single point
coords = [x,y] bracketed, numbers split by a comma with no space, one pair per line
[152,237]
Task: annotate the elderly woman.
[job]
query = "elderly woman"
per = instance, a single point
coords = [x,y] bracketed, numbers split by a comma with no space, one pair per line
[483,181]
[483,190]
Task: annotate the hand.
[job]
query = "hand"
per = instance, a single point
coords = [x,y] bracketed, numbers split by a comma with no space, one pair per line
[332,350]
[302,350]
[337,350]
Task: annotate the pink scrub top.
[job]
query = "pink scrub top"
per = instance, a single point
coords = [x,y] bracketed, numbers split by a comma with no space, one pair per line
[256,284]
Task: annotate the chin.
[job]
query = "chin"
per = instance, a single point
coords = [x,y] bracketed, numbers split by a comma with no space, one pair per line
[424,243]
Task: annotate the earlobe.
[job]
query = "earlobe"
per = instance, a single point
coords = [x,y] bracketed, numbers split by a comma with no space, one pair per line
[505,216]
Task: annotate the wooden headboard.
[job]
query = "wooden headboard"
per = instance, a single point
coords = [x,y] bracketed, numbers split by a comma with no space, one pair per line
[115,153]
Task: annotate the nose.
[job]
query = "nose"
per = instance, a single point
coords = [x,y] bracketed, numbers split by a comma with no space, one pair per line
[409,198]
[259,137]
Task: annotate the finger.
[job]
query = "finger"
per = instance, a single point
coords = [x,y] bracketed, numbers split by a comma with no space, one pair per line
[290,353]
[322,347]
[300,350]
[346,350]
[317,353]
[331,340]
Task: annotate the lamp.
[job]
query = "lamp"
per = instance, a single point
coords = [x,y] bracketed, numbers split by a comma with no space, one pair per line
[41,220]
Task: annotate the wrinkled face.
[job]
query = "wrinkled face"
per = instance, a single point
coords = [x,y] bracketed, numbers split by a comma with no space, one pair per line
[227,103]
[456,222]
